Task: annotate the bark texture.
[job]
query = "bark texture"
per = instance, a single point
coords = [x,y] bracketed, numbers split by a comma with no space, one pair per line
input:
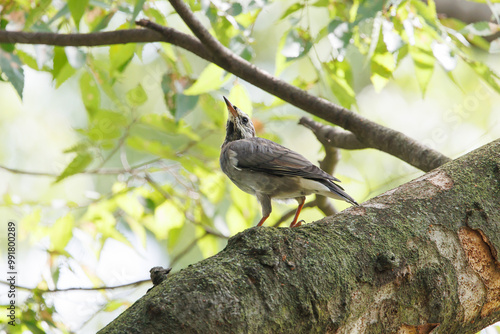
[422,257]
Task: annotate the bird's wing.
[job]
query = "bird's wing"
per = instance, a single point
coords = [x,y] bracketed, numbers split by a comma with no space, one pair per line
[265,156]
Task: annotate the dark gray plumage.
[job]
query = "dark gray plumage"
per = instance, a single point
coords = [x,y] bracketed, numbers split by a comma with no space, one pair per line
[268,170]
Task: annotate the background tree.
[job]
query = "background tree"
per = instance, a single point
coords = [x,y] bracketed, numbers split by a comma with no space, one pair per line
[140,174]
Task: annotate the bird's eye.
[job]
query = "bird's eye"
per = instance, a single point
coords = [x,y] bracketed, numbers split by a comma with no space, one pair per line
[244,120]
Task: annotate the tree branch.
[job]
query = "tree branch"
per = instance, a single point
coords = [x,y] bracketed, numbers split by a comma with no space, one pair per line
[328,164]
[367,132]
[332,137]
[113,287]
[421,257]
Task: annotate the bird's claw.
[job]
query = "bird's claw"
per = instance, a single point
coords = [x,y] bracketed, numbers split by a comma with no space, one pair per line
[297,224]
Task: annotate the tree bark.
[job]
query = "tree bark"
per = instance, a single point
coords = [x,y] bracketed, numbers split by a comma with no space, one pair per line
[419,258]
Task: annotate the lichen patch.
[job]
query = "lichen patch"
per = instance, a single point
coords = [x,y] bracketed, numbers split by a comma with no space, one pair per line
[376,205]
[441,180]
[419,329]
[482,261]
[471,291]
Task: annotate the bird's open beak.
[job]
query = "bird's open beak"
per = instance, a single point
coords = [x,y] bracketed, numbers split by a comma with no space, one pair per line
[230,107]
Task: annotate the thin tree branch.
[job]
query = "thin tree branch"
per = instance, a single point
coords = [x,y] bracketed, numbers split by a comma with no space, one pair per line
[109,171]
[126,285]
[156,186]
[328,164]
[100,171]
[105,38]
[333,137]
[23,172]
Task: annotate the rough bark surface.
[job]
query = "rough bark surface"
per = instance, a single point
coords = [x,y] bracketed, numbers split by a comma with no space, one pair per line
[420,258]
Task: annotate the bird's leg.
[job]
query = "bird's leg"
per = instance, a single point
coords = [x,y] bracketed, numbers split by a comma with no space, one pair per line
[262,220]
[265,203]
[301,201]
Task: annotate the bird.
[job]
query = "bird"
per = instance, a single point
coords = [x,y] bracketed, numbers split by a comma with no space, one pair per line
[268,170]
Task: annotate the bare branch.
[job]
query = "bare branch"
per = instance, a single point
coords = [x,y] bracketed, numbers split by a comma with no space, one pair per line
[101,171]
[126,285]
[333,137]
[328,164]
[91,39]
[23,172]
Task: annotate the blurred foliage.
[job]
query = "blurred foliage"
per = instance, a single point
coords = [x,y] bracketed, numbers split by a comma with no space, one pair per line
[161,168]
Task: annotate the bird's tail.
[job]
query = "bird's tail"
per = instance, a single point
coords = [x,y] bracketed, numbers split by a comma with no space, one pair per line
[337,192]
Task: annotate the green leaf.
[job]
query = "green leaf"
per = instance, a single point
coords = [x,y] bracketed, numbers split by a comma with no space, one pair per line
[7,47]
[155,147]
[340,79]
[458,25]
[239,97]
[90,93]
[11,66]
[106,125]
[62,70]
[208,245]
[211,78]
[292,9]
[281,61]
[366,9]
[61,233]
[129,203]
[79,163]
[114,305]
[137,96]
[167,217]
[382,64]
[427,12]
[297,44]
[120,55]
[211,185]
[36,13]
[77,8]
[156,15]
[27,59]
[98,25]
[214,109]
[183,105]
[423,58]
[485,73]
[137,9]
[480,29]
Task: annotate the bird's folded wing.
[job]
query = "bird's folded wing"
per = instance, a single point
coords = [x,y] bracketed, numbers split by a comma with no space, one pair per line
[262,155]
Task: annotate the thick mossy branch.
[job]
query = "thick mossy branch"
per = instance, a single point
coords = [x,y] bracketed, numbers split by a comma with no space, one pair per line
[421,257]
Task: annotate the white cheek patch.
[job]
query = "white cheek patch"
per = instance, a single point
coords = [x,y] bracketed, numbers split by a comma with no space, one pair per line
[232,159]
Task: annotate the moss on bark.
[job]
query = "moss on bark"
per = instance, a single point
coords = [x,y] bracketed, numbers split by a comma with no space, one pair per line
[396,263]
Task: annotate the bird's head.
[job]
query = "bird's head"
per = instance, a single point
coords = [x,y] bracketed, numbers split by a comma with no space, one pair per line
[239,125]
